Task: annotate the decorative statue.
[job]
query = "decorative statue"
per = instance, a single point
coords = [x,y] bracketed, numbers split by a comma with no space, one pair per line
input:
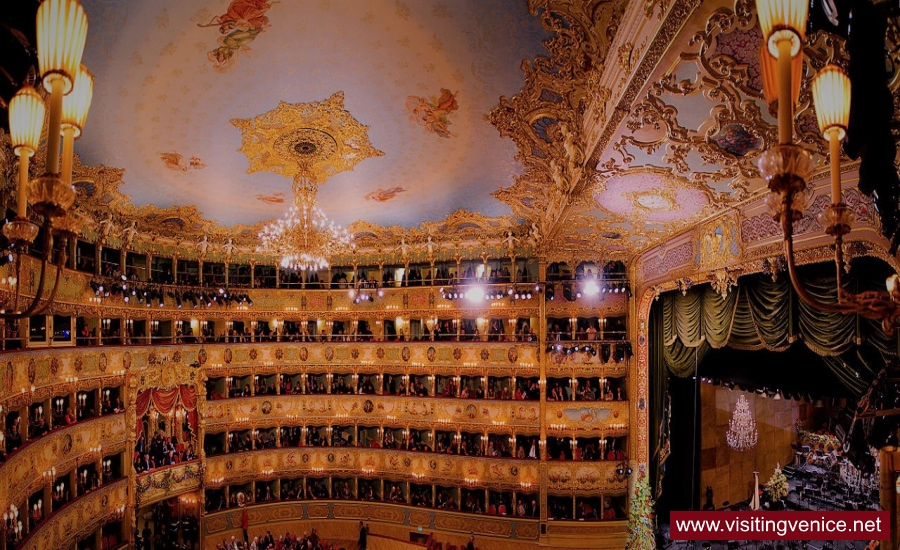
[404,248]
[559,178]
[203,246]
[429,246]
[106,227]
[535,233]
[229,249]
[130,233]
[573,151]
[510,241]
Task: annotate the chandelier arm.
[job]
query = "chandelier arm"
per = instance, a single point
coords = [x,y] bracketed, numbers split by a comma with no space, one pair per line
[872,304]
[18,285]
[35,307]
[787,226]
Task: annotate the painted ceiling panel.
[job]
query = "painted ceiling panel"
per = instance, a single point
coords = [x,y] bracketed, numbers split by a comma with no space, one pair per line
[171,74]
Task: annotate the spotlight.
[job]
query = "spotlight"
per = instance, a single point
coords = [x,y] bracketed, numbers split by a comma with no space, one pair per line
[591,288]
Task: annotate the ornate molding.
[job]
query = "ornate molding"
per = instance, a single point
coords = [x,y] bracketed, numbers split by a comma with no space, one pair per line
[64,448]
[79,519]
[168,482]
[441,413]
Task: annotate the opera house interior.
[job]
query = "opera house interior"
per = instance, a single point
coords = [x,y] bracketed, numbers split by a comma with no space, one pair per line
[438,274]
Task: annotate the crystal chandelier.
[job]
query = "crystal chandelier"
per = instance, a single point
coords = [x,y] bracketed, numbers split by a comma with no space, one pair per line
[741,434]
[304,238]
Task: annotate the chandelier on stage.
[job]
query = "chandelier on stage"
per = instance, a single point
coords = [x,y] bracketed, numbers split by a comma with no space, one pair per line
[741,434]
[304,239]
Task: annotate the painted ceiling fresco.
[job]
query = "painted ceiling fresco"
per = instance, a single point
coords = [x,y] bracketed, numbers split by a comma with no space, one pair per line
[590,129]
[171,75]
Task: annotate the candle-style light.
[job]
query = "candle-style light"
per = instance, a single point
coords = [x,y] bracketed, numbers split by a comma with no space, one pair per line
[783,24]
[787,167]
[768,65]
[61,35]
[831,95]
[26,118]
[75,107]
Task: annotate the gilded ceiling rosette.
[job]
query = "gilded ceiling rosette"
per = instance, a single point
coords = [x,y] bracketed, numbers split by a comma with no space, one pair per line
[317,139]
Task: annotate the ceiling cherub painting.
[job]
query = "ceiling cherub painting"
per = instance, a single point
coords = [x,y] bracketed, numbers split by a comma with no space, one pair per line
[176,161]
[433,114]
[384,195]
[239,25]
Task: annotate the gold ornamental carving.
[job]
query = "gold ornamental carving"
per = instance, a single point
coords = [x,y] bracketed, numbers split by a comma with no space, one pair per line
[319,138]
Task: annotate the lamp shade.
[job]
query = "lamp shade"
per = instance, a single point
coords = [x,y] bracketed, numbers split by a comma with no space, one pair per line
[78,102]
[769,69]
[831,94]
[61,33]
[26,120]
[783,20]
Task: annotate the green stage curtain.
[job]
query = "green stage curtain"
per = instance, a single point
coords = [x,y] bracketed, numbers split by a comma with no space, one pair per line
[762,313]
[759,313]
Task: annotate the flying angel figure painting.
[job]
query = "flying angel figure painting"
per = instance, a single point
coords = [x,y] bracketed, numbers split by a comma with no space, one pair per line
[239,25]
[433,114]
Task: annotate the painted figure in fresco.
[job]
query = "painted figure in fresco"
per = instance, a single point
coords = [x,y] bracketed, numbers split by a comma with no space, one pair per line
[384,195]
[174,161]
[433,115]
[239,25]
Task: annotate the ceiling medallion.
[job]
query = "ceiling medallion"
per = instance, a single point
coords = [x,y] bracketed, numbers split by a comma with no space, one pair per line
[308,142]
[654,200]
[318,139]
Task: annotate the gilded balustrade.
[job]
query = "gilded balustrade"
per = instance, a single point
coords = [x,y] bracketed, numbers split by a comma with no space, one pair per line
[508,474]
[283,516]
[441,413]
[106,366]
[75,296]
[79,519]
[587,418]
[397,465]
[65,449]
[168,482]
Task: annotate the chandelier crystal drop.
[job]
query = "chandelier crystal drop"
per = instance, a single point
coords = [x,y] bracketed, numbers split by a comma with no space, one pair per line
[742,434]
[304,239]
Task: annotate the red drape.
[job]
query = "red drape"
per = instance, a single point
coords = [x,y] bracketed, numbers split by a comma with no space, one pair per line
[164,401]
